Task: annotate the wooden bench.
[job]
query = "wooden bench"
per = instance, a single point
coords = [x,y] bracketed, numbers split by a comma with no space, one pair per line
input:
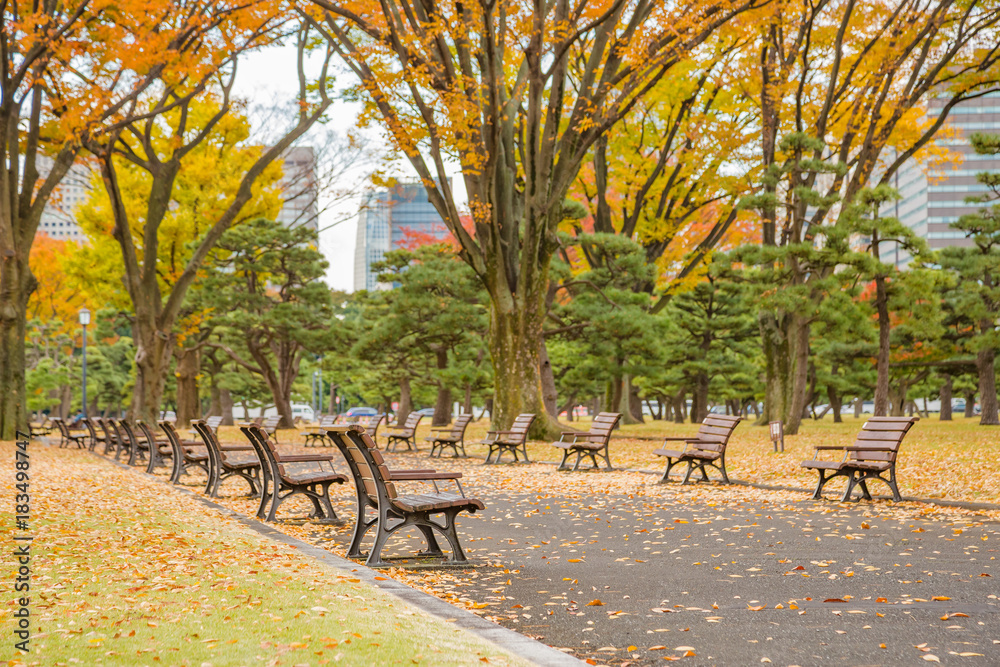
[372,423]
[270,426]
[707,448]
[36,430]
[185,456]
[109,439]
[68,437]
[407,433]
[224,461]
[593,443]
[137,448]
[376,486]
[95,437]
[872,455]
[121,444]
[159,451]
[513,440]
[452,436]
[277,479]
[317,436]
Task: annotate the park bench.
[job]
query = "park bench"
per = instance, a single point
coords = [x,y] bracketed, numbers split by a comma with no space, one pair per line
[224,461]
[68,437]
[872,455]
[186,456]
[38,429]
[511,440]
[161,449]
[270,426]
[407,433]
[138,448]
[591,444]
[376,487]
[451,436]
[372,423]
[122,446]
[314,484]
[95,437]
[109,438]
[317,436]
[706,448]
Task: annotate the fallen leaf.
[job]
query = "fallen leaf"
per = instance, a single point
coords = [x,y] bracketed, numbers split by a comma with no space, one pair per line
[593,603]
[940,598]
[930,657]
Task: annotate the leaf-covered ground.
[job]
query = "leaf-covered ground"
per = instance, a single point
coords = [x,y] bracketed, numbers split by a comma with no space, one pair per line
[127,571]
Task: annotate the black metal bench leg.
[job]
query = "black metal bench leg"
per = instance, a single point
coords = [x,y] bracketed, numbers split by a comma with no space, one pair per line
[818,493]
[687,475]
[722,469]
[851,481]
[324,502]
[449,531]
[433,548]
[562,464]
[892,484]
[361,527]
[666,473]
[382,534]
[864,488]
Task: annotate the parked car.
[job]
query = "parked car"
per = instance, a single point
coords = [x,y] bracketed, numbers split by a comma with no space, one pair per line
[426,412]
[361,412]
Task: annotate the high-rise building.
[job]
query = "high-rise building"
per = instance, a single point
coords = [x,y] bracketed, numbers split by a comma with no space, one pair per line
[933,198]
[299,189]
[395,217]
[299,193]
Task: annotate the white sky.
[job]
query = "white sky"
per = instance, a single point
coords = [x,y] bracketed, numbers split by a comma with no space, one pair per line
[269,75]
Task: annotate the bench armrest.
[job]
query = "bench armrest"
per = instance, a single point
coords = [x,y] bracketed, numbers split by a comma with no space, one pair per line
[829,447]
[420,475]
[236,448]
[869,449]
[304,458]
[676,439]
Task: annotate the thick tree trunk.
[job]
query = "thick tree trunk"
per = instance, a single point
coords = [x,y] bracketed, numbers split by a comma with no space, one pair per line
[442,407]
[515,339]
[405,401]
[188,400]
[16,285]
[859,405]
[985,363]
[680,403]
[882,363]
[633,404]
[699,398]
[946,396]
[836,400]
[970,404]
[785,340]
[897,400]
[153,349]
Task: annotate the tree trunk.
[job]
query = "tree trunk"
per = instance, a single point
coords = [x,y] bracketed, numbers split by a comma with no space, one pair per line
[699,399]
[405,401]
[836,400]
[16,285]
[985,363]
[226,406]
[215,400]
[859,405]
[633,404]
[785,341]
[153,350]
[946,396]
[897,400]
[188,404]
[467,402]
[680,403]
[882,363]
[550,394]
[970,404]
[333,400]
[442,407]
[515,339]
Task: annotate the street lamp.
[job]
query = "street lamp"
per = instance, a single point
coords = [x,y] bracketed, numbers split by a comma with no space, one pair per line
[84,320]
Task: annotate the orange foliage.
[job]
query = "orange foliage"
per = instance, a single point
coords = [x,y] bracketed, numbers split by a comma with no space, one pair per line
[56,298]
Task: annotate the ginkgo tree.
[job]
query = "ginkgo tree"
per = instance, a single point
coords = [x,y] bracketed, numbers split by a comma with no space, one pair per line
[516,94]
[71,72]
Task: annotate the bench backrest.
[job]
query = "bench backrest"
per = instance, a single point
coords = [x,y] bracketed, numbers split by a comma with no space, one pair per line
[271,423]
[108,435]
[882,432]
[458,427]
[412,420]
[63,429]
[371,466]
[207,436]
[356,462]
[89,423]
[214,422]
[174,438]
[602,426]
[519,429]
[266,448]
[326,421]
[126,428]
[147,433]
[372,423]
[116,433]
[714,433]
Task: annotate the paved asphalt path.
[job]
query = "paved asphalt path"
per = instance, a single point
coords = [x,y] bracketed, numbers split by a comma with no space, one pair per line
[620,580]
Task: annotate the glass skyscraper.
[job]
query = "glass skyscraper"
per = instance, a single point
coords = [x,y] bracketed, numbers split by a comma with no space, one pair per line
[397,217]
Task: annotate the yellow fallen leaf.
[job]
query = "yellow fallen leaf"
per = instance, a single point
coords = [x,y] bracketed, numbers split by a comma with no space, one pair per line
[969,654]
[595,603]
[758,608]
[689,654]
[575,560]
[930,657]
[632,648]
[684,648]
[657,648]
[881,645]
[940,598]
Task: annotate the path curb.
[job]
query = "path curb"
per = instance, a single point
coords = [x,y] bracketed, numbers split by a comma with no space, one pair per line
[513,642]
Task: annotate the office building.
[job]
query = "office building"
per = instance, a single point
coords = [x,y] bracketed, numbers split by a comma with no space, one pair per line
[59,215]
[933,197]
[397,217]
[299,190]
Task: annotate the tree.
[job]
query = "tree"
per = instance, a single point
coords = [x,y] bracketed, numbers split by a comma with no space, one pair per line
[268,298]
[976,268]
[517,94]
[160,150]
[853,78]
[70,72]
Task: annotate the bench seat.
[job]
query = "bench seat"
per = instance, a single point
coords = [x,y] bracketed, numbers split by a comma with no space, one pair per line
[707,448]
[435,501]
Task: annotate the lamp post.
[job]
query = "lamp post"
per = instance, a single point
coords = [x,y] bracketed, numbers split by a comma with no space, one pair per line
[84,320]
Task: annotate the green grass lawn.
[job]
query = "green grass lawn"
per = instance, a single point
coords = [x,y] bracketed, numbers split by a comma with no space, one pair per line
[127,571]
